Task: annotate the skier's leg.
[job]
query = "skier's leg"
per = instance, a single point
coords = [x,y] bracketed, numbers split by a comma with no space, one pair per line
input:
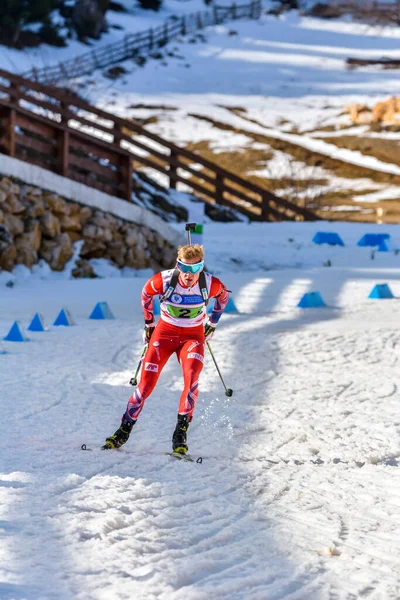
[160,349]
[191,359]
[157,354]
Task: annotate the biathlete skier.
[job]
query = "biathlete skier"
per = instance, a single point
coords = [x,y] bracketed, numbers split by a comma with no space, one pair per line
[184,293]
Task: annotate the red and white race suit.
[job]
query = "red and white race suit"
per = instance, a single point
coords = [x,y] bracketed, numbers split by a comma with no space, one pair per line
[180,330]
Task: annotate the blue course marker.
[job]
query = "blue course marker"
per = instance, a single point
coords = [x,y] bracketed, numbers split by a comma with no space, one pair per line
[101,311]
[37,323]
[324,237]
[15,334]
[374,239]
[381,291]
[64,318]
[311,300]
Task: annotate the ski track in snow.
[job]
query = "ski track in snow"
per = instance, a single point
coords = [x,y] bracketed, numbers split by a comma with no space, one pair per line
[280,508]
[133,523]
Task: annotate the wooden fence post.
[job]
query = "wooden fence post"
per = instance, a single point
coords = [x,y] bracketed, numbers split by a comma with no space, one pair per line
[183,25]
[126,174]
[117,132]
[219,188]
[199,21]
[62,158]
[151,39]
[173,168]
[63,151]
[264,208]
[12,120]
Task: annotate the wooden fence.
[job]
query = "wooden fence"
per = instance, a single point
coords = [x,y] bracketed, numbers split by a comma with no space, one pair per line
[60,132]
[135,43]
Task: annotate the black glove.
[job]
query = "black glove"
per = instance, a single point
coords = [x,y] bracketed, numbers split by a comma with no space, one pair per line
[148,332]
[209,329]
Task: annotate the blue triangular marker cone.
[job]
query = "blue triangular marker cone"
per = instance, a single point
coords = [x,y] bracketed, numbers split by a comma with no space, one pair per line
[37,323]
[101,311]
[64,318]
[381,291]
[325,237]
[15,334]
[311,300]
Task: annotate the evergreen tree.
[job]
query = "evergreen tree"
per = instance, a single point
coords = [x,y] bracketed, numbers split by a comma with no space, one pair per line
[150,4]
[15,14]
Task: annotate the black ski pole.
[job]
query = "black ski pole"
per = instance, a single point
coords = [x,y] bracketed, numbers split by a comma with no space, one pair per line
[133,380]
[228,391]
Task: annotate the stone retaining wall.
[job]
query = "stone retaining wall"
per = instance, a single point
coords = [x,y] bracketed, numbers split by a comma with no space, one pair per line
[37,224]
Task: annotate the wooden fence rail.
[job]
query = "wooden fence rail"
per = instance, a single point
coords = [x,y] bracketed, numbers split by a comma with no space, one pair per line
[59,131]
[135,43]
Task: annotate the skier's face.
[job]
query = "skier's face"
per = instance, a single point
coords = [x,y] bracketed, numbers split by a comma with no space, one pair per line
[189,279]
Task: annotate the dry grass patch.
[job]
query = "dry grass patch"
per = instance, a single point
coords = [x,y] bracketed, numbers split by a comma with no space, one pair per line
[311,158]
[383,149]
[239,162]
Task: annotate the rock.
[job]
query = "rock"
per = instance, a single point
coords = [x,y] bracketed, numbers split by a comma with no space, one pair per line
[32,228]
[6,185]
[131,238]
[7,257]
[83,269]
[70,223]
[116,252]
[85,214]
[1,216]
[6,239]
[74,208]
[3,196]
[97,233]
[56,204]
[34,207]
[14,224]
[93,249]
[74,236]
[26,249]
[13,205]
[50,224]
[57,252]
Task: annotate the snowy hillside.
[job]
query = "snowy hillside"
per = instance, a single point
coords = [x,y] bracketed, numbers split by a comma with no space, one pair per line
[267,98]
[297,496]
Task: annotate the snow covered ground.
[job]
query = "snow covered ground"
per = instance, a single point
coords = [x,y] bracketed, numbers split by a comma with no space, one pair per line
[283,78]
[262,518]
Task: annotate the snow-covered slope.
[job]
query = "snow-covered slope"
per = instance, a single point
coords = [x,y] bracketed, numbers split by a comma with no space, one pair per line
[281,506]
[279,78]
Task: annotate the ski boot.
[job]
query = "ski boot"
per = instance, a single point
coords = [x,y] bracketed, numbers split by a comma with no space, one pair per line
[179,444]
[121,436]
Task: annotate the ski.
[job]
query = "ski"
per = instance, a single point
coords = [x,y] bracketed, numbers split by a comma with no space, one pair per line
[185,457]
[177,455]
